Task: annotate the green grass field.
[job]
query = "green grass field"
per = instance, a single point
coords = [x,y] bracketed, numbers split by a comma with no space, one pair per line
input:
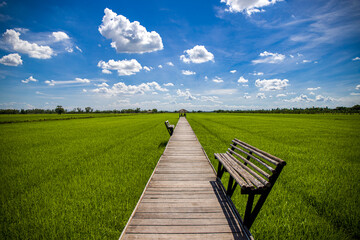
[76,179]
[81,178]
[317,194]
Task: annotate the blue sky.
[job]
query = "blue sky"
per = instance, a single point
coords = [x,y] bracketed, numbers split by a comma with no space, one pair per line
[198,55]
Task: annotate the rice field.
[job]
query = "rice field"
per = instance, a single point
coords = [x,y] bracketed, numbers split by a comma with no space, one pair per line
[317,194]
[81,178]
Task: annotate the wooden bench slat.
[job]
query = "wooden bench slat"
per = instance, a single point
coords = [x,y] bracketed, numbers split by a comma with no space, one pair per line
[242,183]
[250,163]
[256,151]
[253,157]
[241,169]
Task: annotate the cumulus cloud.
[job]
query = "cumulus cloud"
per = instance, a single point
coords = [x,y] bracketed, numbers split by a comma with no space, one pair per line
[60,36]
[271,84]
[11,41]
[357,87]
[121,88]
[268,57]
[242,80]
[246,96]
[247,6]
[233,71]
[356,59]
[306,61]
[187,72]
[313,89]
[29,79]
[168,84]
[261,95]
[104,84]
[281,95]
[197,54]
[321,98]
[13,60]
[217,80]
[146,68]
[355,94]
[160,66]
[301,98]
[77,80]
[170,64]
[123,67]
[186,94]
[128,37]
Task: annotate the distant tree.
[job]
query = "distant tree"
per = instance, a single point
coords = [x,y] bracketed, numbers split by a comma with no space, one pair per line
[79,110]
[59,109]
[137,110]
[88,109]
[154,110]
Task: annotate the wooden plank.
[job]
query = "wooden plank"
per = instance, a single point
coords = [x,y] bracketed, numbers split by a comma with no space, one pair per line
[182,222]
[181,229]
[215,236]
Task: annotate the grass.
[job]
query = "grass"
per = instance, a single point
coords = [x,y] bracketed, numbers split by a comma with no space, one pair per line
[81,179]
[15,118]
[317,194]
[76,179]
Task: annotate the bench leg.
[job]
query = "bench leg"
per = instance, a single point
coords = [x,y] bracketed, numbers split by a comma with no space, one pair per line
[248,211]
[231,187]
[220,170]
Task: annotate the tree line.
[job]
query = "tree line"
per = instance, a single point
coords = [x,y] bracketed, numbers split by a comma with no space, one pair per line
[60,110]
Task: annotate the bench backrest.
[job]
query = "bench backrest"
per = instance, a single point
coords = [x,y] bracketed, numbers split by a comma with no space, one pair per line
[261,165]
[167,123]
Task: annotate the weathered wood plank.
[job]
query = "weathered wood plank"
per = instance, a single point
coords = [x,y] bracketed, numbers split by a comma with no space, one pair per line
[215,236]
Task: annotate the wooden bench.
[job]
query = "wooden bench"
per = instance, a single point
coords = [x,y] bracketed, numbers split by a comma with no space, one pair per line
[169,127]
[254,170]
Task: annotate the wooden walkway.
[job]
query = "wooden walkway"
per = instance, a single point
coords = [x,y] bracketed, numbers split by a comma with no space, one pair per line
[182,199]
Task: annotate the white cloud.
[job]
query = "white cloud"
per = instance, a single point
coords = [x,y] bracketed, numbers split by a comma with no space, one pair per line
[60,36]
[247,6]
[246,96]
[271,84]
[186,94]
[306,61]
[79,49]
[69,49]
[217,80]
[313,89]
[160,66]
[292,56]
[356,59]
[355,94]
[281,95]
[146,68]
[84,90]
[77,80]
[170,64]
[222,91]
[321,98]
[123,67]
[242,80]
[214,99]
[13,59]
[301,98]
[257,73]
[29,79]
[104,84]
[233,71]
[261,95]
[12,41]
[187,72]
[357,87]
[206,77]
[106,71]
[168,84]
[128,37]
[198,54]
[268,57]
[121,88]
[311,93]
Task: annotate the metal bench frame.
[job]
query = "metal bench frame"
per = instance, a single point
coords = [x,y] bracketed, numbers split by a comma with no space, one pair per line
[169,127]
[250,173]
